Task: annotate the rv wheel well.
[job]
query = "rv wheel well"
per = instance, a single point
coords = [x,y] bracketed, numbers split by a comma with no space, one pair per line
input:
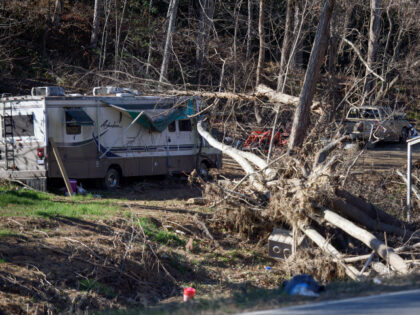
[207,163]
[116,167]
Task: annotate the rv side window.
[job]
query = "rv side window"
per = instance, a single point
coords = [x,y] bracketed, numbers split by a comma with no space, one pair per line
[172,127]
[185,125]
[18,126]
[72,127]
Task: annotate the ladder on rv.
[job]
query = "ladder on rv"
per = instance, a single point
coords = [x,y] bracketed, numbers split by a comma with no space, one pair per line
[8,137]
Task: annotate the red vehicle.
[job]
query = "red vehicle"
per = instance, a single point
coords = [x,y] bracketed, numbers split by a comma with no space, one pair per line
[261,140]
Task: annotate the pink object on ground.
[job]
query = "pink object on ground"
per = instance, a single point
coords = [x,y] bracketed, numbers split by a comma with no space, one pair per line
[188,294]
[73,184]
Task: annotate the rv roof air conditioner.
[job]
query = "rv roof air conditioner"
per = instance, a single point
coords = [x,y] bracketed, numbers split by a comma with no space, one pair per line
[114,90]
[48,91]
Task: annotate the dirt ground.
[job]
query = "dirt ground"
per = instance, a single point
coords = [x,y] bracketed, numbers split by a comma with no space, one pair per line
[70,264]
[387,156]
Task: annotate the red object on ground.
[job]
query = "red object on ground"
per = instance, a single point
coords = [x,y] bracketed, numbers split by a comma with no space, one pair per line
[188,293]
[261,139]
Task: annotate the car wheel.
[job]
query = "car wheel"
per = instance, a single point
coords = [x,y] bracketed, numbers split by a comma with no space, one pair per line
[404,135]
[112,179]
[203,170]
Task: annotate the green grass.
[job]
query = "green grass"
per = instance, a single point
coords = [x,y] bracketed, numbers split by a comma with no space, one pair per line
[7,233]
[159,235]
[93,285]
[33,203]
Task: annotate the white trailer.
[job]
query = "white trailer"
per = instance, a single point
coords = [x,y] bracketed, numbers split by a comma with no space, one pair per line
[100,136]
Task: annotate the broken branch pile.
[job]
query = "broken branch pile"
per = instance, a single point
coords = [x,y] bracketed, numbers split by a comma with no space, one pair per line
[290,193]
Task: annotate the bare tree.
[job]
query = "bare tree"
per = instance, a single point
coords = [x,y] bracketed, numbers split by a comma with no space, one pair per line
[261,37]
[248,31]
[375,15]
[95,26]
[149,51]
[171,17]
[286,45]
[58,10]
[206,17]
[301,118]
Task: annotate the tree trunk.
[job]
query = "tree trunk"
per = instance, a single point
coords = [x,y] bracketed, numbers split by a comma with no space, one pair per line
[149,50]
[58,10]
[206,16]
[235,39]
[368,239]
[325,246]
[171,17]
[301,118]
[371,210]
[362,218]
[286,45]
[375,15]
[248,32]
[95,26]
[261,37]
[254,178]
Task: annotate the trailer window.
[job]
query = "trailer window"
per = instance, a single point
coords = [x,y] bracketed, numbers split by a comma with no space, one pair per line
[20,125]
[185,125]
[172,127]
[72,127]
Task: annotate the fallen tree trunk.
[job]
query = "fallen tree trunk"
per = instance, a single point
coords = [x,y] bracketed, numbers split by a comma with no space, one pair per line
[278,97]
[325,246]
[254,178]
[368,239]
[372,211]
[261,91]
[353,213]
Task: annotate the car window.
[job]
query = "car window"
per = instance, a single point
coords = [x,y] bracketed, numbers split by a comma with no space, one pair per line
[353,113]
[370,113]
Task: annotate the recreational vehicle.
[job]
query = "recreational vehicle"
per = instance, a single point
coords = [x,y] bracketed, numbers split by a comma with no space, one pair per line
[113,133]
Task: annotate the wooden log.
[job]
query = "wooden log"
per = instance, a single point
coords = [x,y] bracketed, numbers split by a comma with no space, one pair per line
[61,166]
[370,210]
[413,188]
[356,258]
[368,239]
[278,97]
[261,91]
[325,246]
[380,268]
[254,178]
[354,214]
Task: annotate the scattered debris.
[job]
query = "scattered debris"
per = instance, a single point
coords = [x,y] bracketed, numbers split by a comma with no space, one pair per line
[303,285]
[188,294]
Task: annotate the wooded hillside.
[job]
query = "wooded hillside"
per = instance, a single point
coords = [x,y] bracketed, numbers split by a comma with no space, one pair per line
[372,55]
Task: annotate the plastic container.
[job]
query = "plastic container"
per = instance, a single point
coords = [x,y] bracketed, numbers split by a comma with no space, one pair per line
[73,184]
[188,294]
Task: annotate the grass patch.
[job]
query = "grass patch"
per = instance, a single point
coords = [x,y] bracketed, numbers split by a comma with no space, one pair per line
[33,203]
[7,233]
[93,285]
[156,234]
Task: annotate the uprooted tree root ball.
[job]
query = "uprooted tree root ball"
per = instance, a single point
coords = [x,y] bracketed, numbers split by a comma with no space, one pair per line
[307,192]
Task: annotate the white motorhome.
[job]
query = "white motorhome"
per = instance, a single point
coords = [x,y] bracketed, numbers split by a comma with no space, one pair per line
[113,133]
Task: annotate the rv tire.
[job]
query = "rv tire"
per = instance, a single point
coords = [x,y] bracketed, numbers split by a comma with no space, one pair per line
[112,179]
[203,169]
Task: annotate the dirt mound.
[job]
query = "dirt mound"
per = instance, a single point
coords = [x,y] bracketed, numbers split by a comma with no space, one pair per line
[69,266]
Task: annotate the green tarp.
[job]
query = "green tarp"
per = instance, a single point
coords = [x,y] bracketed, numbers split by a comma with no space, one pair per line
[160,122]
